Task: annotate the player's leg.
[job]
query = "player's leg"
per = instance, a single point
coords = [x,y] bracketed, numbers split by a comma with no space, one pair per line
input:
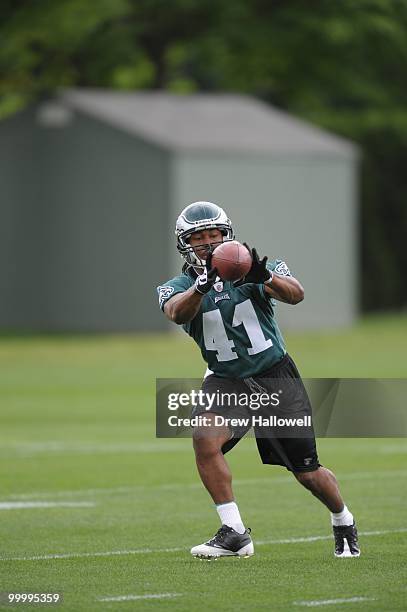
[232,538]
[210,461]
[300,456]
[323,484]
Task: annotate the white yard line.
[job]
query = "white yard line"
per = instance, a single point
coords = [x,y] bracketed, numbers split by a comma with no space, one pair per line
[134,597]
[141,551]
[20,505]
[397,449]
[175,486]
[326,537]
[163,445]
[196,485]
[29,449]
[79,492]
[329,602]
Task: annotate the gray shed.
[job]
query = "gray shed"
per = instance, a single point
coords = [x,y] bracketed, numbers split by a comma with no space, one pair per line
[93,181]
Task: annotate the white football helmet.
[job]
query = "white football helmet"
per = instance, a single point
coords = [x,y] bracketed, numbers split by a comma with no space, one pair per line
[200,216]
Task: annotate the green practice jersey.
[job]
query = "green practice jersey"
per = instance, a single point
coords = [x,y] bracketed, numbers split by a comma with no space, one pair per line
[235,327]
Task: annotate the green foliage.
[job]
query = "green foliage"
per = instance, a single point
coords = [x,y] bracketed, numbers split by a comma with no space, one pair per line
[341,65]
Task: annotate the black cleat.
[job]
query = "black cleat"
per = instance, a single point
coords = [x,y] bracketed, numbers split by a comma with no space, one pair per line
[346,541]
[226,543]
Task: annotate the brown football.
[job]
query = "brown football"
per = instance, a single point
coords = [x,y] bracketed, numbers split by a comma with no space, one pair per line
[232,260]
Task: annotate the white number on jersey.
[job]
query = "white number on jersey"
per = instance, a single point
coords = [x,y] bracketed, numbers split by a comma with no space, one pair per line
[246,315]
[215,337]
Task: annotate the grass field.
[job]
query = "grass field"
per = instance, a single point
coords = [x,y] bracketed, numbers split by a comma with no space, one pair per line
[93,506]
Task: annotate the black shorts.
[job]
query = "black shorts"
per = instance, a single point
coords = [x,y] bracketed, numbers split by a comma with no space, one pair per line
[287,447]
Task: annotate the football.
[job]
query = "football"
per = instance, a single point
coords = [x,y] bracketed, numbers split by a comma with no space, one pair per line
[232,260]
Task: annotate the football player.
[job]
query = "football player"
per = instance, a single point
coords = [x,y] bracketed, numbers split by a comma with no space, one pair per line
[235,328]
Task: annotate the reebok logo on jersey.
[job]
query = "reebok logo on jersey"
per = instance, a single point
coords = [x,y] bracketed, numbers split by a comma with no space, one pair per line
[224,296]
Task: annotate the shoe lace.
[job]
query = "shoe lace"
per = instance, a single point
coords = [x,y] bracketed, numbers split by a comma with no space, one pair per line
[339,534]
[347,532]
[352,535]
[220,534]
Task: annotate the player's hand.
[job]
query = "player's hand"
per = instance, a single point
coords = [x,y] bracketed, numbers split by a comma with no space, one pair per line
[207,279]
[258,273]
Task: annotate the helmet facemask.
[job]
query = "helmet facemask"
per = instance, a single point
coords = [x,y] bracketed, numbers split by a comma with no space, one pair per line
[191,253]
[197,217]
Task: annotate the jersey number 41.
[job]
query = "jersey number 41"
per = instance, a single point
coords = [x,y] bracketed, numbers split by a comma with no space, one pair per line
[215,337]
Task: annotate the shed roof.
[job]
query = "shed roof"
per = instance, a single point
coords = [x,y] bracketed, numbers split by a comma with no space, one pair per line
[207,122]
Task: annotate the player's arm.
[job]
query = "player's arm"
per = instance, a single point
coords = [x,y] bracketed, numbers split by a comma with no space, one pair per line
[282,287]
[183,307]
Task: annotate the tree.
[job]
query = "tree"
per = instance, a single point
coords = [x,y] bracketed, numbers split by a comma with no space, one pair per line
[341,65]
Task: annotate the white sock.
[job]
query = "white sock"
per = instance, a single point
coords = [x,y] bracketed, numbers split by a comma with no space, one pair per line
[342,518]
[229,515]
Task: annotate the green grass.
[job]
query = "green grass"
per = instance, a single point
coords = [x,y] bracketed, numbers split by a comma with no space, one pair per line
[77,425]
